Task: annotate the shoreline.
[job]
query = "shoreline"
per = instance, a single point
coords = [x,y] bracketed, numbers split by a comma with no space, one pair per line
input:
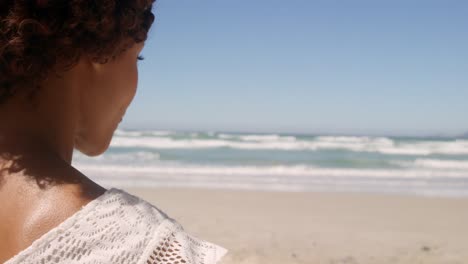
[320,227]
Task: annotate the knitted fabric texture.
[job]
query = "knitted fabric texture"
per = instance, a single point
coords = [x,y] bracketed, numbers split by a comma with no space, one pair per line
[118,227]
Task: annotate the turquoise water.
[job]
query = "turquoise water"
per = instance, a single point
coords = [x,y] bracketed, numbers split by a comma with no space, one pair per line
[282,162]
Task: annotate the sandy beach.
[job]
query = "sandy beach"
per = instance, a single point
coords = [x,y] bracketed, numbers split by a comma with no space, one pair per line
[288,227]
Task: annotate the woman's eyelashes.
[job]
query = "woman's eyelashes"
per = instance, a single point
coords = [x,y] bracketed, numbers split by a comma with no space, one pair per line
[140,58]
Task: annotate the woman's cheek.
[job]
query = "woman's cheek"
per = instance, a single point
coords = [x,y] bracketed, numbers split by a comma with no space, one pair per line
[134,84]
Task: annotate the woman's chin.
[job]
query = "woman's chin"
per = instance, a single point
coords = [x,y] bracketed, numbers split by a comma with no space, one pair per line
[91,152]
[93,147]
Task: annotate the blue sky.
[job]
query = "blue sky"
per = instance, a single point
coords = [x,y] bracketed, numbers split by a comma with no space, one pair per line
[342,67]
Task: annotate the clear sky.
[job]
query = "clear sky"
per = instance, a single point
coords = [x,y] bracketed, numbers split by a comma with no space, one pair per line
[351,67]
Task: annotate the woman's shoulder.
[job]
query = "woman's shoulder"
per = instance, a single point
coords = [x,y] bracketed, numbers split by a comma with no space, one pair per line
[120,227]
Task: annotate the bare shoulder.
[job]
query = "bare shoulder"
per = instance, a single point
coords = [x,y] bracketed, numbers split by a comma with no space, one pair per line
[35,212]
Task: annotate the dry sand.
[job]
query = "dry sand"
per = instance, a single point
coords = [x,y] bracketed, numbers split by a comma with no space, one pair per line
[280,227]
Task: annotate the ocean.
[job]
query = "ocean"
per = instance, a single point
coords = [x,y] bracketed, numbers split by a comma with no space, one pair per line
[282,162]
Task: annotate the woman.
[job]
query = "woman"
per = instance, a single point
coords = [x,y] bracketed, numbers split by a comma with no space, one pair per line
[68,72]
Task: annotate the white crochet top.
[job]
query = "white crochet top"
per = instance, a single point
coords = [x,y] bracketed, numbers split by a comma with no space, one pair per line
[118,227]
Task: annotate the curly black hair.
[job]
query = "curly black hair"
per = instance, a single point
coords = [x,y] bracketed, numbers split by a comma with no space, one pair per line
[38,36]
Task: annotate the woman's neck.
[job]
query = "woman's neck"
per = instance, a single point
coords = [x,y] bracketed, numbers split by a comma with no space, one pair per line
[39,188]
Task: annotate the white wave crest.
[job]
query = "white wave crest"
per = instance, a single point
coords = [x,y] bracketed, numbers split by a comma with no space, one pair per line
[435,164]
[267,138]
[125,133]
[162,133]
[261,138]
[284,171]
[140,156]
[275,142]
